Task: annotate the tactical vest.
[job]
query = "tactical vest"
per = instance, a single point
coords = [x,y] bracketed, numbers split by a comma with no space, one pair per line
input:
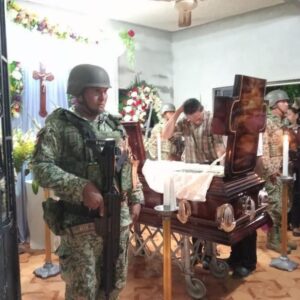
[78,158]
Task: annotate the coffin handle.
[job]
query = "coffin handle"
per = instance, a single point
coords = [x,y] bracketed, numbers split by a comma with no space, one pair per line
[225,217]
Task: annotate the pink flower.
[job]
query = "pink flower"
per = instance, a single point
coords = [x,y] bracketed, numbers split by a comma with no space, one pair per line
[131,33]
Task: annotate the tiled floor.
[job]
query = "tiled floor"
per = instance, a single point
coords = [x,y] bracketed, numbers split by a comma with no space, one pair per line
[145,279]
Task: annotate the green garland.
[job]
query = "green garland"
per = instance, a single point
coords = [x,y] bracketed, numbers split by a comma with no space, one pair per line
[128,40]
[31,22]
[15,88]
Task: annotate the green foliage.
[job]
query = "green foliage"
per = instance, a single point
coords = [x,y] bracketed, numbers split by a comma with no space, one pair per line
[23,146]
[35,187]
[15,88]
[128,40]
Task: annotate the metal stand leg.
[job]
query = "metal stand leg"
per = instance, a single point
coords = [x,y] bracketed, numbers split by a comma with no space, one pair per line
[48,269]
[195,287]
[167,276]
[283,262]
[218,268]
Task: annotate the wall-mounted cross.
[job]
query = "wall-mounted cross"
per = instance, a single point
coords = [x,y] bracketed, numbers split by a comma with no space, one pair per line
[42,76]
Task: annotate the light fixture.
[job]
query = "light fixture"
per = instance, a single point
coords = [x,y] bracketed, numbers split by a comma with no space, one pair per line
[185,8]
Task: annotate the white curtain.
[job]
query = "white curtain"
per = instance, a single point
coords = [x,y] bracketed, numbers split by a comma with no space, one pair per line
[58,57]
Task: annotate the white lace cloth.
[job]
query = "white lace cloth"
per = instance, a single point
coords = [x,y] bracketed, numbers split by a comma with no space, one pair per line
[189,181]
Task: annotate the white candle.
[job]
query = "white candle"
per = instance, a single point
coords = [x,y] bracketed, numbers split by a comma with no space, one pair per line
[172,194]
[167,192]
[158,141]
[285,160]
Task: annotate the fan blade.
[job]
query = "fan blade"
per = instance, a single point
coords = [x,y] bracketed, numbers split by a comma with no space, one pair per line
[185,18]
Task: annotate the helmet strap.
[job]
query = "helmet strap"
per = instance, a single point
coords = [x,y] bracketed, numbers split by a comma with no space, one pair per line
[83,108]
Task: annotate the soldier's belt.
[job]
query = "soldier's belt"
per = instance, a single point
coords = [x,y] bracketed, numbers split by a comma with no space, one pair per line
[89,228]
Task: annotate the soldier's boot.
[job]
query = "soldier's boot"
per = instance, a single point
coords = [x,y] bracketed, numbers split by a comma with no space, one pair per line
[274,240]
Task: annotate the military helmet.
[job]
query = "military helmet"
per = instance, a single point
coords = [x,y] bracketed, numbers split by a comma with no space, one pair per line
[85,75]
[167,107]
[277,95]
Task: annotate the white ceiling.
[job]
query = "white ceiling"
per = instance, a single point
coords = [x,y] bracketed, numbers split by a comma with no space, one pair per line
[160,14]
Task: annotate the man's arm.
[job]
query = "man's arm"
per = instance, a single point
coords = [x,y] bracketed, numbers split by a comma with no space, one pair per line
[169,128]
[219,145]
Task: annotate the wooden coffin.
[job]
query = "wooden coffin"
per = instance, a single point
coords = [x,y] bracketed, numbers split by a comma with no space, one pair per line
[240,118]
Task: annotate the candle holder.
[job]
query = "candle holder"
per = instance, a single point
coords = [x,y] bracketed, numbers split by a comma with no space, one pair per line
[166,211]
[283,262]
[48,269]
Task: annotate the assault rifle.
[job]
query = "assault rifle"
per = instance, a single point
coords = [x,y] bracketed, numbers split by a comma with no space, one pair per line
[109,227]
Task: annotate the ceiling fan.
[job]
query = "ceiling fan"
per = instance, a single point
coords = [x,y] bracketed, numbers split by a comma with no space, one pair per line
[184,8]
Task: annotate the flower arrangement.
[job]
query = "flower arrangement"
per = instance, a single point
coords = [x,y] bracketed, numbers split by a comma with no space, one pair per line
[31,21]
[15,88]
[128,40]
[140,98]
[23,146]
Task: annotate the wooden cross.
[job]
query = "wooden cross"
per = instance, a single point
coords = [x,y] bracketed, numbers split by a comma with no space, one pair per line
[241,117]
[42,76]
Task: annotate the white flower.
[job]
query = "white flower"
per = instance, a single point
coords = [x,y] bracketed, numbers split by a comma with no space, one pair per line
[127,118]
[130,102]
[13,14]
[134,94]
[16,74]
[135,118]
[127,109]
[147,90]
[15,114]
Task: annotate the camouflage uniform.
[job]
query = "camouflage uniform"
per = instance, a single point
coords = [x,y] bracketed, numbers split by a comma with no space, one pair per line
[272,162]
[63,163]
[170,149]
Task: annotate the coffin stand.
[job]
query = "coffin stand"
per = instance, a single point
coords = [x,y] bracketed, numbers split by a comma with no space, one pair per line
[234,206]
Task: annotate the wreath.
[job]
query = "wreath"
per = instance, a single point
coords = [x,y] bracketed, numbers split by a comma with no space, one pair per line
[141,101]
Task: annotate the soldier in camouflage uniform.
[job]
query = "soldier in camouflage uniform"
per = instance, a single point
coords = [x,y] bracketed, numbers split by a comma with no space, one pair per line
[65,164]
[272,163]
[172,148]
